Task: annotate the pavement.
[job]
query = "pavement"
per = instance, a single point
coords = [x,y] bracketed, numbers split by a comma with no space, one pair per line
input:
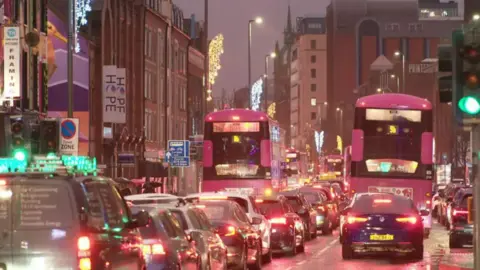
[325,253]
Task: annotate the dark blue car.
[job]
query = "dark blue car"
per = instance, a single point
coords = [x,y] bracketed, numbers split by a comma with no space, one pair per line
[378,223]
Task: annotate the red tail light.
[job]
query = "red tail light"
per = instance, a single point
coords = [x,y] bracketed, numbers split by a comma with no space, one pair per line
[83,243]
[230,231]
[459,212]
[153,249]
[280,220]
[83,253]
[411,220]
[352,219]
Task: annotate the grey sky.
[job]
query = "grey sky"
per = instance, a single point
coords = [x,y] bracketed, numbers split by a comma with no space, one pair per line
[230,17]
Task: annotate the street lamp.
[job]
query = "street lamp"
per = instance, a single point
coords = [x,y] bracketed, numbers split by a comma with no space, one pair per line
[393,76]
[265,83]
[476,17]
[397,54]
[257,20]
[379,90]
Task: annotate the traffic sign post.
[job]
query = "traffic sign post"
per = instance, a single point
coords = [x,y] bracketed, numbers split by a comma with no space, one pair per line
[178,154]
[68,136]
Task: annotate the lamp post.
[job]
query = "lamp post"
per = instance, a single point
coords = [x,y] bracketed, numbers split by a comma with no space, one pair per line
[265,83]
[393,76]
[257,20]
[397,54]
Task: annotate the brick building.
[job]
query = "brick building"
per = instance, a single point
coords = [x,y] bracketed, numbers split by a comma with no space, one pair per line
[355,40]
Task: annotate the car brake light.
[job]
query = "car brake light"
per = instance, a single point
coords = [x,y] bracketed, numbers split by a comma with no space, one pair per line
[411,220]
[230,231]
[83,243]
[281,220]
[154,249]
[259,201]
[428,202]
[352,219]
[200,206]
[382,201]
[459,212]
[85,264]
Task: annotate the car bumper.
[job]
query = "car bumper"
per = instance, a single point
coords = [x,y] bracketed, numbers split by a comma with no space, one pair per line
[403,241]
[282,239]
[373,247]
[462,234]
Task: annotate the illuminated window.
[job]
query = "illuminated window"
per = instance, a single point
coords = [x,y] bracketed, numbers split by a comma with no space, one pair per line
[313,101]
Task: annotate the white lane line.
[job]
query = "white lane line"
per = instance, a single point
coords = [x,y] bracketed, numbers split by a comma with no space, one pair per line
[318,254]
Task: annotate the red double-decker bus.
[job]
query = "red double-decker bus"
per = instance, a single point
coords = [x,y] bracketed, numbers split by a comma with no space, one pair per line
[392,145]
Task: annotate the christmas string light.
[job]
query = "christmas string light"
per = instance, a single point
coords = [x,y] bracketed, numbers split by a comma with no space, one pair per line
[215,50]
[82,7]
[256,94]
[271,110]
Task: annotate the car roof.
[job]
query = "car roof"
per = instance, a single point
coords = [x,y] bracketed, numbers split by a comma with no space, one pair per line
[228,203]
[219,194]
[150,196]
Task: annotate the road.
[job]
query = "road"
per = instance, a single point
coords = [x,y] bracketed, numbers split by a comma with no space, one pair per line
[325,253]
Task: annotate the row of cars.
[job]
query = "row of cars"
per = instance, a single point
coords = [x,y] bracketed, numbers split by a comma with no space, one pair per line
[222,230]
[450,207]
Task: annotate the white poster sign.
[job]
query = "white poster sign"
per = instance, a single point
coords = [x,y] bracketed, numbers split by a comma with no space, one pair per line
[69,129]
[11,68]
[121,95]
[112,109]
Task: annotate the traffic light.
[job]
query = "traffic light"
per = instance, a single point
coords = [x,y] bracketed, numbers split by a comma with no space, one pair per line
[17,131]
[467,75]
[49,129]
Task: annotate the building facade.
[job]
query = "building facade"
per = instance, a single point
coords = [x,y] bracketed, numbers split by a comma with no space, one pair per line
[308,92]
[281,76]
[402,33]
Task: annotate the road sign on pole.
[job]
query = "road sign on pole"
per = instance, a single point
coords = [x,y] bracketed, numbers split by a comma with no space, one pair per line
[178,154]
[69,136]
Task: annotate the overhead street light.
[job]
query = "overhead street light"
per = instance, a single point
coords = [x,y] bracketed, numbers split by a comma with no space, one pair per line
[257,20]
[272,55]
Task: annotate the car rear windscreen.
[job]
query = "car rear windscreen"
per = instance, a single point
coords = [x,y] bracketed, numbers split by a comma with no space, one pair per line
[153,201]
[312,197]
[216,211]
[383,205]
[37,206]
[270,208]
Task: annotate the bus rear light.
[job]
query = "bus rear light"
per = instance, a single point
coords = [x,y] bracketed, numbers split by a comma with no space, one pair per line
[259,201]
[236,118]
[382,201]
[411,220]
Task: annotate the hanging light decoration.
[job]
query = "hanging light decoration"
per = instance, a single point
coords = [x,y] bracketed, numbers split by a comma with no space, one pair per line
[82,8]
[271,110]
[257,89]
[215,50]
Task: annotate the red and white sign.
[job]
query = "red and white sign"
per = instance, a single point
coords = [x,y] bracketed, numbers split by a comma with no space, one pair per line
[407,192]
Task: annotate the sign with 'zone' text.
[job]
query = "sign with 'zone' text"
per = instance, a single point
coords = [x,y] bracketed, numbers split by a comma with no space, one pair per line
[69,130]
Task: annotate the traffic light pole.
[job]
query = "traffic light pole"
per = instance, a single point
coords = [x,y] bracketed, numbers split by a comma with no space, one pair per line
[476,198]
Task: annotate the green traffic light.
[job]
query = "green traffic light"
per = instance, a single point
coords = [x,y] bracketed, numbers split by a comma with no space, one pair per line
[469,105]
[20,155]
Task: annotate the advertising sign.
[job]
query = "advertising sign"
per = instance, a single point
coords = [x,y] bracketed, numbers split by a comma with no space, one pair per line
[114,102]
[69,136]
[11,69]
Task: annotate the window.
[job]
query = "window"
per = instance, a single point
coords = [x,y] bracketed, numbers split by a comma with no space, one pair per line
[313,59]
[240,214]
[181,219]
[194,220]
[177,226]
[183,97]
[161,48]
[313,87]
[313,73]
[111,200]
[313,115]
[313,44]
[204,220]
[313,101]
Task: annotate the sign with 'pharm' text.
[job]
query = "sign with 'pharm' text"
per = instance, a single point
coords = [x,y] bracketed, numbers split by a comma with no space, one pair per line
[11,68]
[114,95]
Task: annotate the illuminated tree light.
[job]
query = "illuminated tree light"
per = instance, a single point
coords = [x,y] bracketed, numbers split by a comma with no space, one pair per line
[215,50]
[256,94]
[271,110]
[82,7]
[319,139]
[339,144]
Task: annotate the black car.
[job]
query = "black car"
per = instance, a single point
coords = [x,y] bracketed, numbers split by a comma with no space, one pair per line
[330,204]
[165,244]
[243,241]
[287,233]
[66,222]
[308,214]
[461,229]
[326,218]
[382,223]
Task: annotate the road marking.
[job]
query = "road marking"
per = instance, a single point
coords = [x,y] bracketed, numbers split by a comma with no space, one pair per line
[318,254]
